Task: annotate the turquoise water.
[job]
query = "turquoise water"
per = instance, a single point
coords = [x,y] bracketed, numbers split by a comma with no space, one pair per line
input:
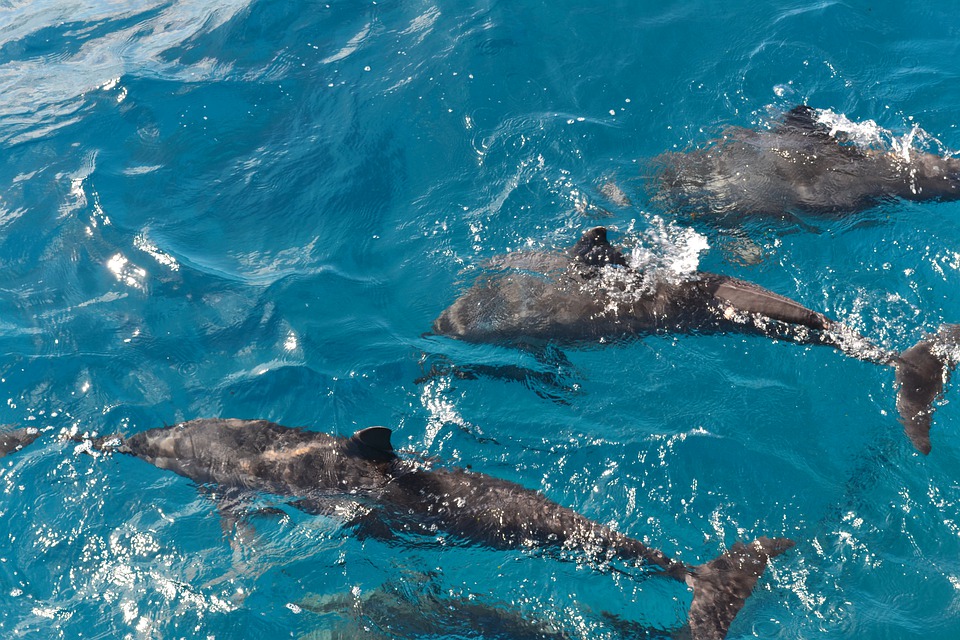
[256,209]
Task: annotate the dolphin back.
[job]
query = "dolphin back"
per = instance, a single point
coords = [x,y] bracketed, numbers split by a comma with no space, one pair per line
[264,456]
[799,165]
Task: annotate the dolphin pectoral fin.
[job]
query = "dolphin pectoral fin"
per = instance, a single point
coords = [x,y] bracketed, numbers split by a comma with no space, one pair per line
[366,522]
[722,586]
[231,504]
[754,299]
[233,507]
[922,371]
[547,371]
[437,370]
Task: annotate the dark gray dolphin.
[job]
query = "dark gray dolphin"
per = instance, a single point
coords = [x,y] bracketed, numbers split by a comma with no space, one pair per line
[799,165]
[400,495]
[587,295]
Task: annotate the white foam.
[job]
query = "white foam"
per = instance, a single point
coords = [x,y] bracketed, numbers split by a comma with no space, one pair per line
[866,133]
[869,134]
[668,249]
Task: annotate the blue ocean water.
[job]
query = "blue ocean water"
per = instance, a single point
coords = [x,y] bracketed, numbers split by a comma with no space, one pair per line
[256,209]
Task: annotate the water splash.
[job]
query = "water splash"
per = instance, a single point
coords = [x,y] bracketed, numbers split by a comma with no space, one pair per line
[668,251]
[870,135]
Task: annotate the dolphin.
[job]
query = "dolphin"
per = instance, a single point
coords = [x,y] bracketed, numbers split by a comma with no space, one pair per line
[398,495]
[800,165]
[590,294]
[406,609]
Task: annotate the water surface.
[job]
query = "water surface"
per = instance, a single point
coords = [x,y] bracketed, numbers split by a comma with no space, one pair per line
[256,209]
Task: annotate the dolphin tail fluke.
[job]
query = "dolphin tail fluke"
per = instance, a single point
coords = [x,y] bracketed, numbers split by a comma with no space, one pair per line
[922,371]
[721,586]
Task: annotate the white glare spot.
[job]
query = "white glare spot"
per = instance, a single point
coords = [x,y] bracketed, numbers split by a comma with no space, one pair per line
[141,242]
[126,272]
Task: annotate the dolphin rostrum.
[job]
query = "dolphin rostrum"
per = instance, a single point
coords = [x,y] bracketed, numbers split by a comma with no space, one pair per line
[398,495]
[590,294]
[800,165]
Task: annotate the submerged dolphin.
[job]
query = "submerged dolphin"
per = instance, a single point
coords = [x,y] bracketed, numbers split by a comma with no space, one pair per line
[407,609]
[400,495]
[799,165]
[589,294]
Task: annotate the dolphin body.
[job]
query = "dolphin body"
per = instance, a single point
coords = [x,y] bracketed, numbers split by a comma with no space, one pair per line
[589,294]
[405,609]
[800,165]
[405,496]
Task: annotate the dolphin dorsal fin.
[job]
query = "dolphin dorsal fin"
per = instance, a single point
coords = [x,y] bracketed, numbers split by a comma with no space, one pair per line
[595,250]
[804,119]
[373,443]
